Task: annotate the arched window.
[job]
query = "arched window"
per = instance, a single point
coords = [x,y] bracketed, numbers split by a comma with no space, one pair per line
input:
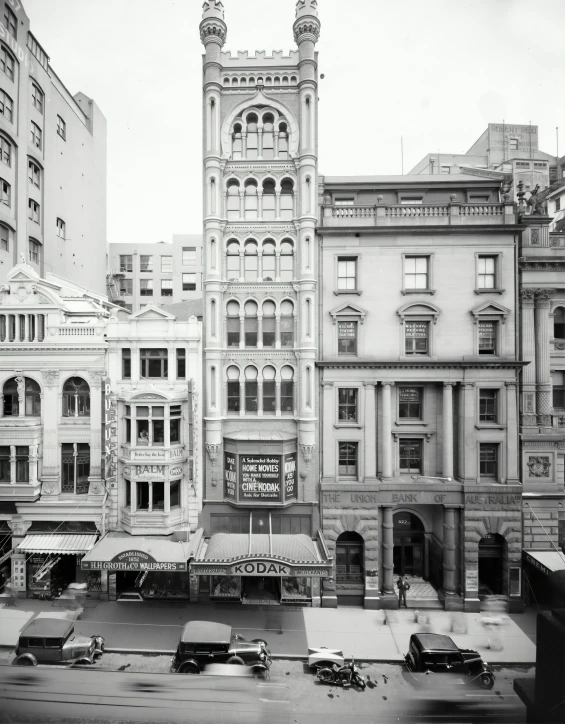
[236,143]
[268,137]
[251,80]
[232,324]
[269,261]
[252,121]
[250,324]
[287,199]
[232,210]
[226,80]
[277,80]
[287,324]
[232,261]
[243,81]
[269,324]
[26,390]
[269,391]
[287,389]
[268,80]
[235,80]
[285,80]
[233,389]
[250,206]
[250,261]
[559,323]
[250,389]
[293,79]
[349,558]
[76,398]
[268,200]
[287,260]
[283,141]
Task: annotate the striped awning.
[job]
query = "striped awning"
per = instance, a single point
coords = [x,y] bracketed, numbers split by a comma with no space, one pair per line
[68,543]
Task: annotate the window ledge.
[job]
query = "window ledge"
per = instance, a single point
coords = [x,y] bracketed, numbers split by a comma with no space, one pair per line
[490,291]
[421,423]
[353,425]
[490,426]
[75,421]
[417,357]
[418,291]
[338,292]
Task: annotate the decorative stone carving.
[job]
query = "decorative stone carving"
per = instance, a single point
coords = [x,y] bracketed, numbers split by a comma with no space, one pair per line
[21,387]
[539,466]
[96,487]
[51,378]
[127,470]
[213,449]
[97,378]
[307,451]
[48,488]
[529,400]
[527,295]
[535,237]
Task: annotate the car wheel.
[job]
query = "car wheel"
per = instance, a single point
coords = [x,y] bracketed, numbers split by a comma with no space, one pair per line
[487,681]
[189,668]
[410,662]
[237,660]
[25,661]
[83,661]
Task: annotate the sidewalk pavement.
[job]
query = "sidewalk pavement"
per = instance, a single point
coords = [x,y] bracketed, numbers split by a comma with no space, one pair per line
[152,626]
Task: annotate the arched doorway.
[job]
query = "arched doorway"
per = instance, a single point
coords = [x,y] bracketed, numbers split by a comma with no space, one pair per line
[491,562]
[409,545]
[349,555]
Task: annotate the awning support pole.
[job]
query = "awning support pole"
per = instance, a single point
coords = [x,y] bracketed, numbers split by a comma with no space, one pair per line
[270,536]
[250,530]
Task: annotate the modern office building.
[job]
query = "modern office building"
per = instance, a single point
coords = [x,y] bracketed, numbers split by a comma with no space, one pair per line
[52,164]
[159,274]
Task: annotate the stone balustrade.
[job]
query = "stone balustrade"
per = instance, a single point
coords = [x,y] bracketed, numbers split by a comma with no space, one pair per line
[417,214]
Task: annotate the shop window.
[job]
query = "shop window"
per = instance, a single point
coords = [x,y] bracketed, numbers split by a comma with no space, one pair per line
[488,461]
[410,403]
[175,494]
[251,390]
[75,467]
[154,363]
[251,324]
[487,337]
[417,337]
[269,391]
[158,491]
[126,263]
[232,324]
[559,323]
[126,364]
[346,273]
[232,261]
[232,523]
[287,389]
[291,525]
[25,389]
[181,363]
[287,260]
[347,338]
[269,204]
[142,495]
[410,456]
[128,492]
[488,405]
[349,558]
[269,324]
[287,324]
[233,389]
[76,398]
[347,404]
[348,459]
[558,389]
[174,424]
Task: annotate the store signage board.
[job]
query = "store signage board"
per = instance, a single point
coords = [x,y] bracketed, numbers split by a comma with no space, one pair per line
[290,480]
[260,478]
[133,561]
[230,476]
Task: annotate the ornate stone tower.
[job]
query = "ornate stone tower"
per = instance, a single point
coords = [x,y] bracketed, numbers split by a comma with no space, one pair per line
[260,201]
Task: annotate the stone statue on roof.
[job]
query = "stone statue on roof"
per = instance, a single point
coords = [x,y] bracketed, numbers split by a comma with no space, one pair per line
[536,203]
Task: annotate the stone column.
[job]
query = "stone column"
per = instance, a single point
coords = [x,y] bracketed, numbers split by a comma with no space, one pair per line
[447,467]
[512,451]
[95,478]
[528,355]
[388,548]
[387,430]
[51,448]
[328,458]
[33,464]
[370,430]
[449,551]
[543,376]
[467,438]
[12,464]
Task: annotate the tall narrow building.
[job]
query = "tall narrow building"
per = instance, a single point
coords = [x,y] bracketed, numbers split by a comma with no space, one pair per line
[260,180]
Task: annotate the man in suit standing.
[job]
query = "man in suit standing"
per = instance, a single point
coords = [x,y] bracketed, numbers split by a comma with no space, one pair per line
[403,586]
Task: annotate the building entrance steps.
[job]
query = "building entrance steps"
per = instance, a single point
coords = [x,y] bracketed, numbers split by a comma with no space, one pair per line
[422,595]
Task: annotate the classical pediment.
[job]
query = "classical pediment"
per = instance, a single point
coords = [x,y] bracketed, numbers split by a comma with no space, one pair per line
[152,312]
[419,309]
[490,309]
[348,309]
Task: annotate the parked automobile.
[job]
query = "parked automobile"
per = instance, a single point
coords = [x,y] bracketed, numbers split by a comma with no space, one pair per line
[54,641]
[430,653]
[205,642]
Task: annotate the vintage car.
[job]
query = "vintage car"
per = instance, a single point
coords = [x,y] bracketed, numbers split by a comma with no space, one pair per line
[205,642]
[54,641]
[430,653]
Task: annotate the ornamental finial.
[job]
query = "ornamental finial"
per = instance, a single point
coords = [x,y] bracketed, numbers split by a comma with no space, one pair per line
[213,9]
[306,7]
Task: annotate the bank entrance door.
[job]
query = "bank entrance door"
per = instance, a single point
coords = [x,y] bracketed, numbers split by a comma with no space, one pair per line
[409,551]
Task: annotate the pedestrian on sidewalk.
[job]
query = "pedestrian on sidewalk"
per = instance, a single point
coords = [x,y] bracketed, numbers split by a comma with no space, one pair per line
[403,586]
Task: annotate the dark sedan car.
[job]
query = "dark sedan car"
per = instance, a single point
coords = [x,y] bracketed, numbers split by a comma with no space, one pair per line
[205,642]
[430,653]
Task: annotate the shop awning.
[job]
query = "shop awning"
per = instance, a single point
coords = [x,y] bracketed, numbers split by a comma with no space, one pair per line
[237,554]
[67,543]
[545,561]
[124,552]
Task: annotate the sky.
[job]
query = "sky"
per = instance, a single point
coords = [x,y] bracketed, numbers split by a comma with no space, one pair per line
[432,72]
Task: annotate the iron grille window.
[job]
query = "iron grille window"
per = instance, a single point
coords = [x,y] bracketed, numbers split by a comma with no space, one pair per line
[488,460]
[347,404]
[347,337]
[417,337]
[410,456]
[487,337]
[488,405]
[348,459]
[75,467]
[154,363]
[410,403]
